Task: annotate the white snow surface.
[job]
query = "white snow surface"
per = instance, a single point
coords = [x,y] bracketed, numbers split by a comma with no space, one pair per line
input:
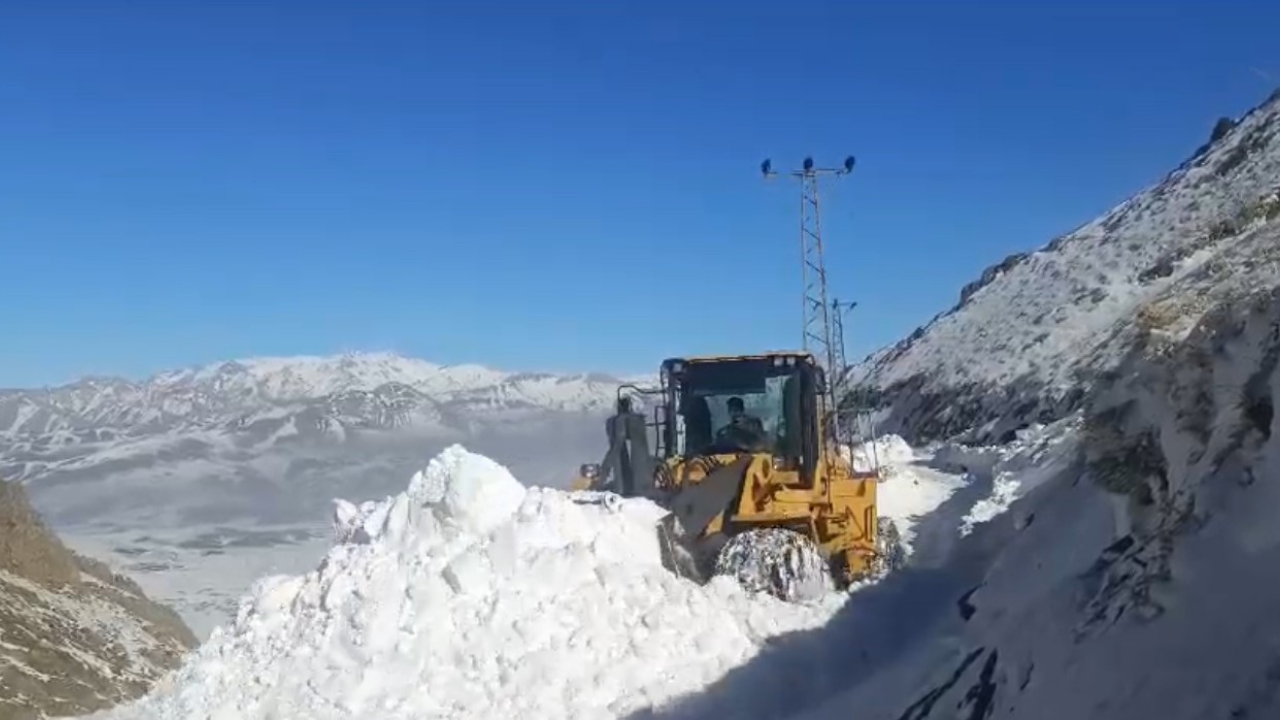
[470,595]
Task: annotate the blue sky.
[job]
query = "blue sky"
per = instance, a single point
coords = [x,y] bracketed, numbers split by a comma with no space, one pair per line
[564,185]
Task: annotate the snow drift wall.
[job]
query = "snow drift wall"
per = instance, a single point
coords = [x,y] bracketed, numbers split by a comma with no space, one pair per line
[469,595]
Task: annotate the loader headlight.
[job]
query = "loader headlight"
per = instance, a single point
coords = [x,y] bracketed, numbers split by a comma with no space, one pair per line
[590,471]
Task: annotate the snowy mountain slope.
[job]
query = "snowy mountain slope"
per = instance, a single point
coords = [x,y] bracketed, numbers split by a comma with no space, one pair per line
[1162,603]
[74,637]
[253,451]
[1027,340]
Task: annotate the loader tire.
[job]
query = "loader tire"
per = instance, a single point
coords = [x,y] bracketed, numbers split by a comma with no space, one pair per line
[781,562]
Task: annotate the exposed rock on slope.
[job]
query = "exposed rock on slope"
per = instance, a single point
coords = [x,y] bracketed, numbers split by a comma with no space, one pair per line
[74,637]
[1030,338]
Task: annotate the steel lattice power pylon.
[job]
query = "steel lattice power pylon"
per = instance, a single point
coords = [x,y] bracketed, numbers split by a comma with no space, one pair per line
[838,311]
[818,328]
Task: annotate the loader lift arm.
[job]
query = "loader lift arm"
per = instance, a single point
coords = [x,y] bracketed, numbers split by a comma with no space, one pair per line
[628,467]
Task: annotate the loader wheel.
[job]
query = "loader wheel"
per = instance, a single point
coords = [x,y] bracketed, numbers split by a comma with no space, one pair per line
[778,561]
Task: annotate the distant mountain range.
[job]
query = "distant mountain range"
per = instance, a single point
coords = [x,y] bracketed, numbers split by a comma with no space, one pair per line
[317,396]
[220,422]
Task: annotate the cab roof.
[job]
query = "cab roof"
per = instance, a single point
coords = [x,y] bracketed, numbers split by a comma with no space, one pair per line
[801,355]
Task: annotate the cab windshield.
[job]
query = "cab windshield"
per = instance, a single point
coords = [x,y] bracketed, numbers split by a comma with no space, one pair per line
[733,407]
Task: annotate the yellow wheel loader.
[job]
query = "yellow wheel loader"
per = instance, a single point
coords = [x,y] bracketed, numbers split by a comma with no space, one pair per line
[744,460]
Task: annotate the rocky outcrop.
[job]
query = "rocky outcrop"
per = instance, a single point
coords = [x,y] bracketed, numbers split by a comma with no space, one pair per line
[74,636]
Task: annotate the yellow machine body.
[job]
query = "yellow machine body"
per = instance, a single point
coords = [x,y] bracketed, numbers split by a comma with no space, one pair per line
[807,485]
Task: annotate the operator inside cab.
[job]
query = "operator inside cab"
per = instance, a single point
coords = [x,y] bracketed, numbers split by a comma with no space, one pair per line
[740,422]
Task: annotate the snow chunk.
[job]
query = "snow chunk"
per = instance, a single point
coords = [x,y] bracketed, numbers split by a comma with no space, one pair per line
[469,595]
[474,491]
[884,451]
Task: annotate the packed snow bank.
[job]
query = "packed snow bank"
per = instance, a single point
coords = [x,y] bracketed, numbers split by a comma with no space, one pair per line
[469,595]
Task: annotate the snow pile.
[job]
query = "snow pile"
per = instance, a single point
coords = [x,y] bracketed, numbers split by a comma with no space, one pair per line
[469,595]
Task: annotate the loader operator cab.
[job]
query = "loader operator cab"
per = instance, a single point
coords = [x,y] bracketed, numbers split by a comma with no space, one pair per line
[756,404]
[751,404]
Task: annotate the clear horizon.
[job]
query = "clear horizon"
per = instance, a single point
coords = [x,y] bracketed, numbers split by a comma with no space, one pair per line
[562,189]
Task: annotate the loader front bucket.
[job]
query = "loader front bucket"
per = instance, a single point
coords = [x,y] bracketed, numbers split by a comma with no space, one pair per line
[678,552]
[687,549]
